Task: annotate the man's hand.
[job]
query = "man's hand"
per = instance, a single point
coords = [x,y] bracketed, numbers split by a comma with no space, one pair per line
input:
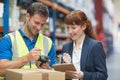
[33,54]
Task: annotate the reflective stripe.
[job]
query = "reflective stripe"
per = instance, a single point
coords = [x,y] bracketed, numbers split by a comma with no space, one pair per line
[18,51]
[44,46]
[46,42]
[14,45]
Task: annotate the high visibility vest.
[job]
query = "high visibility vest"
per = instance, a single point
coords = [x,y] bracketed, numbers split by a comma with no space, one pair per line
[20,49]
[1,78]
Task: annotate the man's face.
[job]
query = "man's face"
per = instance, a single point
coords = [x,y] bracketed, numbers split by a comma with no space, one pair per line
[34,23]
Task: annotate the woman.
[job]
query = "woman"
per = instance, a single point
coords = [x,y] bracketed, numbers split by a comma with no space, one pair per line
[84,51]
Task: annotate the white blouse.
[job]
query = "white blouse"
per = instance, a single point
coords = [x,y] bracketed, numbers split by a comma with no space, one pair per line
[76,56]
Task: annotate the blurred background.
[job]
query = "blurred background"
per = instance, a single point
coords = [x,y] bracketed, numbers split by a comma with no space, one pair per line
[104,15]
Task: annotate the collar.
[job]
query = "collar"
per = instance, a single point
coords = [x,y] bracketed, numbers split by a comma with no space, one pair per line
[23,34]
[80,46]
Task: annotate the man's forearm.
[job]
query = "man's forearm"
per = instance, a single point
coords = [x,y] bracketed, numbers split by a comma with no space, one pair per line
[15,64]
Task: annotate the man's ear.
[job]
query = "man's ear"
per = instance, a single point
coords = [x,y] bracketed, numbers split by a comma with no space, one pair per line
[27,16]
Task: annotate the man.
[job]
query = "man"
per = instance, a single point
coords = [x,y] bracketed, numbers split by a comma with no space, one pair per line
[22,48]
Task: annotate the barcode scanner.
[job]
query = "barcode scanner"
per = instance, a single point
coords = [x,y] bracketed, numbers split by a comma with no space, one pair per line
[43,59]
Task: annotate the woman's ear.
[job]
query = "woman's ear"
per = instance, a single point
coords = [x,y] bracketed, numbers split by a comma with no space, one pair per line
[83,27]
[27,16]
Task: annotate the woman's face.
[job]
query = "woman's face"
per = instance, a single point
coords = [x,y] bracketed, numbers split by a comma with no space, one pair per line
[35,23]
[75,31]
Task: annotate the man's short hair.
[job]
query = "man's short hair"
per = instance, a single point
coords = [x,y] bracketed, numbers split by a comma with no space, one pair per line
[38,8]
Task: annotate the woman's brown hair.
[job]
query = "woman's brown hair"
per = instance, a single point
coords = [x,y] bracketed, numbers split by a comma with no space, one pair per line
[78,17]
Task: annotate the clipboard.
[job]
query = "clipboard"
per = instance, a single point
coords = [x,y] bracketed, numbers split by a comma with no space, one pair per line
[63,67]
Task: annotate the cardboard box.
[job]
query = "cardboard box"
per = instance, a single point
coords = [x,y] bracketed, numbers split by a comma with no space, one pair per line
[63,67]
[34,74]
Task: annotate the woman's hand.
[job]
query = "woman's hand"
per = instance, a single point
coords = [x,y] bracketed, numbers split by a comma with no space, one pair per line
[75,74]
[66,58]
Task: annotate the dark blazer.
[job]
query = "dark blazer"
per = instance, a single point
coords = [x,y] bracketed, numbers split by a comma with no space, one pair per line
[93,59]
